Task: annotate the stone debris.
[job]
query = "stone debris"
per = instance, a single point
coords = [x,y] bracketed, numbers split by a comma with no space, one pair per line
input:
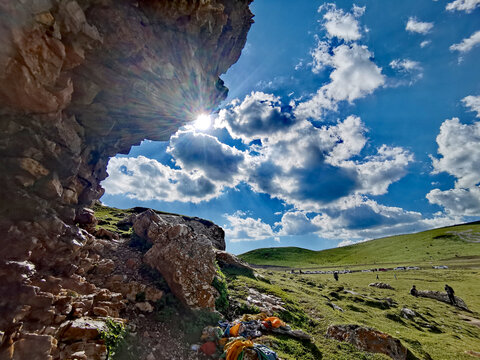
[382,285]
[268,304]
[408,313]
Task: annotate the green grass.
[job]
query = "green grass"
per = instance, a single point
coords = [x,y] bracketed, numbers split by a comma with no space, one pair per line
[432,246]
[439,331]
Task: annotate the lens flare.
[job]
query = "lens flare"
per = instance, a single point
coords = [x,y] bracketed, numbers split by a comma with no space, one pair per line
[203,122]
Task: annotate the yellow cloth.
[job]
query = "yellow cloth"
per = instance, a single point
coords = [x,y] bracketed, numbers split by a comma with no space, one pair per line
[249,317]
[235,348]
[223,341]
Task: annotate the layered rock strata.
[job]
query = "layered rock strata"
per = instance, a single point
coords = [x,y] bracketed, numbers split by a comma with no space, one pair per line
[81,81]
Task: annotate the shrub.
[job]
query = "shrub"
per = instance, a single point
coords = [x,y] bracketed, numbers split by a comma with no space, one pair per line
[114,337]
[220,284]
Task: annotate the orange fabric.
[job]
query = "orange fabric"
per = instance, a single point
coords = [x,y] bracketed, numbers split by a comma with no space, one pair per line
[275,321]
[234,330]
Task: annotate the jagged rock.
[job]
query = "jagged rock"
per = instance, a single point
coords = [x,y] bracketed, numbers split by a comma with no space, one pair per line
[81,329]
[382,285]
[106,234]
[370,340]
[408,313]
[443,297]
[227,260]
[144,306]
[33,346]
[132,289]
[86,219]
[212,232]
[185,259]
[85,350]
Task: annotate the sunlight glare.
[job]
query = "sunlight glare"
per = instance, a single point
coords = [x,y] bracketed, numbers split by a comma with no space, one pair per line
[203,122]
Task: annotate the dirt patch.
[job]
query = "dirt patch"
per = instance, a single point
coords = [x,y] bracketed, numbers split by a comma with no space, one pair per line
[471,320]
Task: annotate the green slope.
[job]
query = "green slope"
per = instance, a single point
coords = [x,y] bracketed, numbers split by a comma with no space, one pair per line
[445,245]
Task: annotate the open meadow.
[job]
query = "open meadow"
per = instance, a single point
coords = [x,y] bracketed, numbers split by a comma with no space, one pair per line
[316,301]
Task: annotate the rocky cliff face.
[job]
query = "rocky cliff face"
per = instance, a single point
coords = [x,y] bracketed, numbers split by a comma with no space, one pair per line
[81,81]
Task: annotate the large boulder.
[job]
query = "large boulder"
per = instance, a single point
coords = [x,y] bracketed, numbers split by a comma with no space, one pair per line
[443,297]
[213,232]
[367,339]
[184,258]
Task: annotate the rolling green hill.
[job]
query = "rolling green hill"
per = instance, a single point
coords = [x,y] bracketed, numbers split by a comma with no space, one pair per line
[460,243]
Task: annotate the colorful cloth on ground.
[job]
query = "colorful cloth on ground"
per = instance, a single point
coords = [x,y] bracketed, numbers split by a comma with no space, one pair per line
[275,321]
[264,352]
[211,333]
[235,329]
[250,317]
[209,348]
[234,348]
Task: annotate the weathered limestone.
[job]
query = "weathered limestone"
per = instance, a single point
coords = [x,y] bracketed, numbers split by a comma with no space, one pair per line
[184,258]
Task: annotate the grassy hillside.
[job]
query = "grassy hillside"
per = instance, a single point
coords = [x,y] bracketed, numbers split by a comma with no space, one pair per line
[440,331]
[445,245]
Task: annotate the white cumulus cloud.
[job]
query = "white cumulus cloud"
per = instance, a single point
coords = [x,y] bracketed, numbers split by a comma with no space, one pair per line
[341,24]
[243,228]
[425,43]
[147,179]
[457,201]
[459,150]
[258,116]
[463,5]
[472,102]
[354,76]
[413,25]
[467,44]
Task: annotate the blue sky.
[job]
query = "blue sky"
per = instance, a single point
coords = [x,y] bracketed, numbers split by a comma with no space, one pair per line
[345,121]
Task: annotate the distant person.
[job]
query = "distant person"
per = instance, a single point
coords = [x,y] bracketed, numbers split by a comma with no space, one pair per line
[335,276]
[413,291]
[451,294]
[377,276]
[395,276]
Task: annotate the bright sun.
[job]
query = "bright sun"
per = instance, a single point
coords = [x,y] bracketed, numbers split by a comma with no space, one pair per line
[203,122]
